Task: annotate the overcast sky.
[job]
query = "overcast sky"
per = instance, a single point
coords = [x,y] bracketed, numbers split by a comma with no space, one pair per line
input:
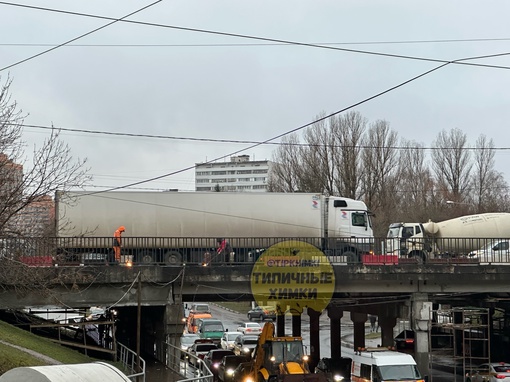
[140,79]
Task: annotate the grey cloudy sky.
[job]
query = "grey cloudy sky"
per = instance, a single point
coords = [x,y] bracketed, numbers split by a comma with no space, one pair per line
[141,79]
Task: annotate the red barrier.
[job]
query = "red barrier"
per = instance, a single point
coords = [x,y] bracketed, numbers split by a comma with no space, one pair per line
[37,261]
[379,259]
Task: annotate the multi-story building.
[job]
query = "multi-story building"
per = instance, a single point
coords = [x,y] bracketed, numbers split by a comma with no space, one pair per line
[238,175]
[19,217]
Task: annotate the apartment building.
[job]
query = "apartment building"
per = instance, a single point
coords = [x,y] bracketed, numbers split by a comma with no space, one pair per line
[17,219]
[238,175]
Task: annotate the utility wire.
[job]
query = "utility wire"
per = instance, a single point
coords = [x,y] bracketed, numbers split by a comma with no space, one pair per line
[398,42]
[79,37]
[444,63]
[236,141]
[305,125]
[244,36]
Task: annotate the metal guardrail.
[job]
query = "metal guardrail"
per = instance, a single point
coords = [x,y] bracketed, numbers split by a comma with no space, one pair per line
[179,362]
[76,251]
[129,360]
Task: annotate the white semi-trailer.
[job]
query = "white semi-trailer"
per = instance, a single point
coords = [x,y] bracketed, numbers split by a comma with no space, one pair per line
[171,226]
[453,237]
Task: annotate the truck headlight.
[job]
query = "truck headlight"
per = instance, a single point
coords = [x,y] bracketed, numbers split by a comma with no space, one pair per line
[338,377]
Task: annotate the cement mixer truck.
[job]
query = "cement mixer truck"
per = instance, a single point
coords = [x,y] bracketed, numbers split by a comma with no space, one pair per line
[450,238]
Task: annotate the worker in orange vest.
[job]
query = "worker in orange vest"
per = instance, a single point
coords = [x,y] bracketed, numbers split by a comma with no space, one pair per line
[117,242]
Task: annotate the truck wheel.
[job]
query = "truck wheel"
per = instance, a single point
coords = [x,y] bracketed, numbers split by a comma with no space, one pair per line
[146,257]
[419,256]
[352,256]
[173,258]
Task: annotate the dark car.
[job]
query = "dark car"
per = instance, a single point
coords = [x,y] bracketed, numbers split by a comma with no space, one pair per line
[340,370]
[242,371]
[227,366]
[262,313]
[213,358]
[199,349]
[244,345]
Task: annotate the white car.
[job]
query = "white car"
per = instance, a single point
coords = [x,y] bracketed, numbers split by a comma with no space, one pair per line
[250,328]
[227,340]
[497,251]
[490,372]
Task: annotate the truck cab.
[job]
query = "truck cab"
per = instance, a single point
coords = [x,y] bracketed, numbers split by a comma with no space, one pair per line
[408,240]
[211,329]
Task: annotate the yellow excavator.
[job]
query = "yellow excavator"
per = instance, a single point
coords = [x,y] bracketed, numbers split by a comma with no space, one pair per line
[280,359]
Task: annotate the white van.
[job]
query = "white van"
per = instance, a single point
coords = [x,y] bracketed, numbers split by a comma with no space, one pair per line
[381,364]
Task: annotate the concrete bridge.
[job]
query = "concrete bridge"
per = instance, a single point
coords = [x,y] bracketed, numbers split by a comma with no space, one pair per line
[387,290]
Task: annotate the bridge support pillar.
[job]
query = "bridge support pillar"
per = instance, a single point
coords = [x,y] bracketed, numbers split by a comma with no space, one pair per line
[315,351]
[296,325]
[387,323]
[335,314]
[359,320]
[421,308]
[280,323]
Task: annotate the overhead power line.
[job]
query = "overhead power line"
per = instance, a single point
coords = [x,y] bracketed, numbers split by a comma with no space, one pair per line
[305,125]
[239,141]
[79,37]
[238,35]
[219,45]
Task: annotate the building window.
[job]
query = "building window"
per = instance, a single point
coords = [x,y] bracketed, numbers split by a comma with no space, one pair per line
[244,171]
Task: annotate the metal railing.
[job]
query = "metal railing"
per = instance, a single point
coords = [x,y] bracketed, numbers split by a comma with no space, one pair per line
[129,360]
[168,251]
[189,366]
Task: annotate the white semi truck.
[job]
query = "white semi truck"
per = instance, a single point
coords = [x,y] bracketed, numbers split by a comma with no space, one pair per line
[171,227]
[449,238]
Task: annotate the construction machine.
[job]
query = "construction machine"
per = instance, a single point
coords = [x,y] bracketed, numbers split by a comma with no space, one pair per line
[280,359]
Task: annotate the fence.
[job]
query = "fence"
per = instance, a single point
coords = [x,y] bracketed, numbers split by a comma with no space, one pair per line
[76,251]
[134,365]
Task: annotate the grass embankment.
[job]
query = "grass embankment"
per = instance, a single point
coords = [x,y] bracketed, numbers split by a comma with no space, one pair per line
[11,357]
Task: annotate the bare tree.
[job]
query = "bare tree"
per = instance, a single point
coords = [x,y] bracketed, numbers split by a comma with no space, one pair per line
[451,163]
[329,161]
[380,167]
[415,191]
[490,190]
[52,168]
[348,133]
[317,173]
[284,176]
